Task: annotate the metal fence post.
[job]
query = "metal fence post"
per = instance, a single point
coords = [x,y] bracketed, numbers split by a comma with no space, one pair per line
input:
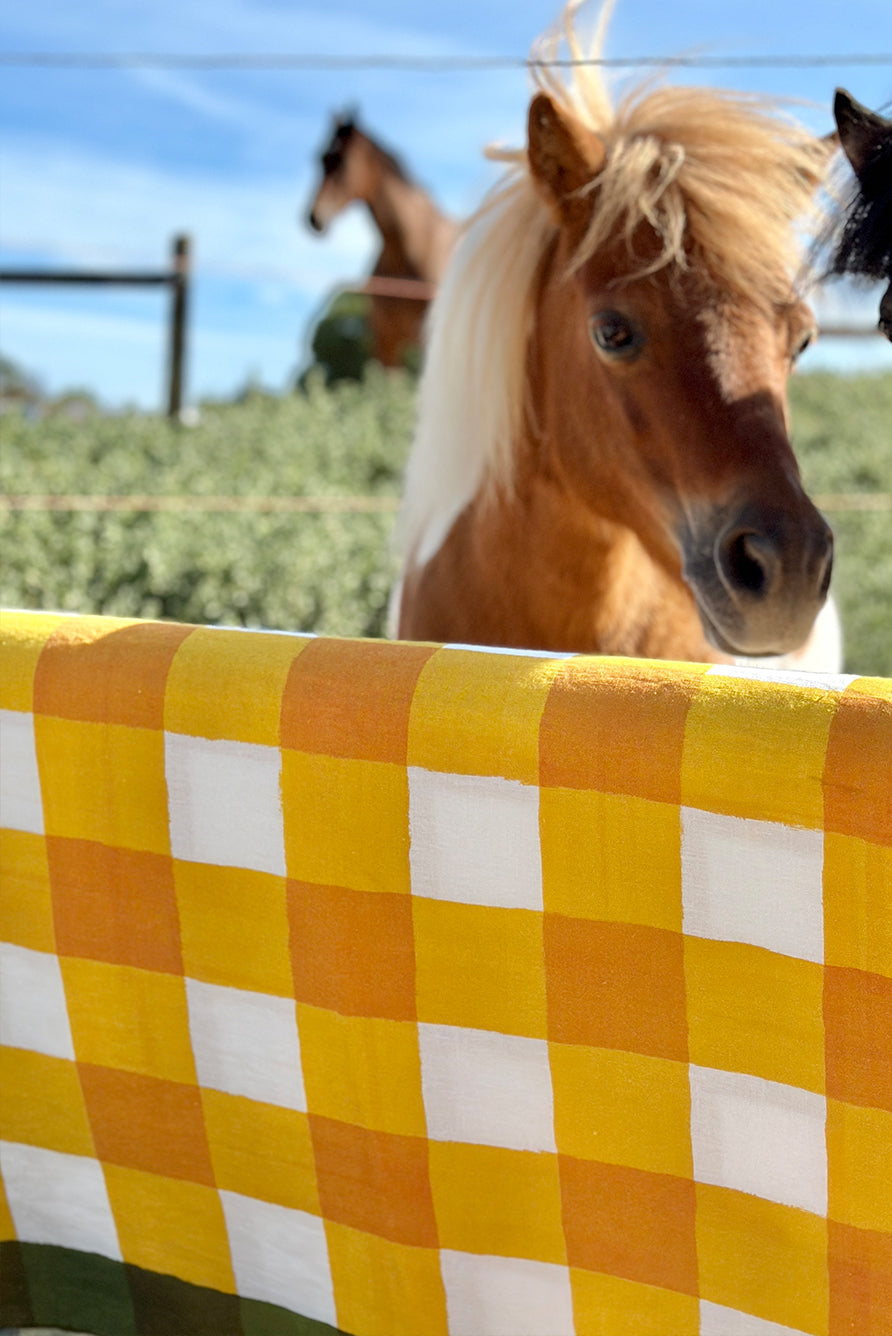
[180,274]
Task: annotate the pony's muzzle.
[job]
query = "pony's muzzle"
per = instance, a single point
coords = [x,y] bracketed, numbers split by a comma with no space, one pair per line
[764,580]
[314,221]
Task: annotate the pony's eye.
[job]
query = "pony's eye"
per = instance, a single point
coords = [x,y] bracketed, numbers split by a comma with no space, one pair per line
[615,335]
[802,343]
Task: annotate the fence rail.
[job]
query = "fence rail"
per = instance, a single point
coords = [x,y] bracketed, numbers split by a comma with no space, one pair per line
[177,278]
[315,505]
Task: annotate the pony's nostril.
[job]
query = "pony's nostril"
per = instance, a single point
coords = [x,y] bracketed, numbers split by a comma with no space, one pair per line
[750,562]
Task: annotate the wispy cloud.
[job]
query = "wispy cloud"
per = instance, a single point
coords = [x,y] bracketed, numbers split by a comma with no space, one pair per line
[80,207]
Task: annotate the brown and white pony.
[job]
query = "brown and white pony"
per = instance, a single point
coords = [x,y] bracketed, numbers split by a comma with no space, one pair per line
[416,236]
[864,245]
[602,461]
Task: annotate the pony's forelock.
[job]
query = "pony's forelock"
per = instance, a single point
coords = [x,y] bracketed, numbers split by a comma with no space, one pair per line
[724,179]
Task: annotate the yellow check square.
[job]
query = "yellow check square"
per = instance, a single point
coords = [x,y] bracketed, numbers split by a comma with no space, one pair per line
[346,822]
[501,949]
[857,885]
[859,1155]
[234,927]
[103,782]
[170,1226]
[763,1258]
[479,714]
[26,907]
[495,1201]
[755,1011]
[130,1019]
[622,1108]
[609,1305]
[756,749]
[42,1103]
[384,1288]
[260,1150]
[22,639]
[612,857]
[226,684]
[362,1070]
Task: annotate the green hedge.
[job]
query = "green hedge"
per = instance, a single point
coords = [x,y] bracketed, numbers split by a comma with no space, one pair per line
[331,573]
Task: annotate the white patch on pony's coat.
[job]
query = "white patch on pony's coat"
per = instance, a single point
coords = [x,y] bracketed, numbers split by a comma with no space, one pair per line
[471,397]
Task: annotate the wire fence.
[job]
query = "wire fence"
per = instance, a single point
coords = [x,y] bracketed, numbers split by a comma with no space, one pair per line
[313,505]
[323,61]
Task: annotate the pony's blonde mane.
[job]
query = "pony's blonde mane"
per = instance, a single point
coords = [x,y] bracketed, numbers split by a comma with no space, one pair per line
[723,179]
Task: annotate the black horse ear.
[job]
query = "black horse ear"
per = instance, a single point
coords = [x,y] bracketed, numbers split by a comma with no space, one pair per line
[345,120]
[860,130]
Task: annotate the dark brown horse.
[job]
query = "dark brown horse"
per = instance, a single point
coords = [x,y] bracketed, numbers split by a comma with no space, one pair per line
[602,461]
[864,246]
[416,237]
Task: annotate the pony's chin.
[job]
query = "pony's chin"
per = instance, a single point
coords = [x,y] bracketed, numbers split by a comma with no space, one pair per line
[720,641]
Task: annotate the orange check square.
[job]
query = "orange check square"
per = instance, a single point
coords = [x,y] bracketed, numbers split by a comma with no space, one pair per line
[116,674]
[114,904]
[615,985]
[351,698]
[617,732]
[857,1024]
[374,1181]
[141,1122]
[860,1263]
[631,1223]
[857,787]
[352,951]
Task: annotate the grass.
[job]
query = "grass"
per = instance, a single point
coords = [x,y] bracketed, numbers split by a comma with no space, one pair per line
[331,573]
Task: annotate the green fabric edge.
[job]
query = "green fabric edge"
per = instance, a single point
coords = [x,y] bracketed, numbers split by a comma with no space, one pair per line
[46,1286]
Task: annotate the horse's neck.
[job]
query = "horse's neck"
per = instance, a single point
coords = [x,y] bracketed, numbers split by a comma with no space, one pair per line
[588,584]
[416,235]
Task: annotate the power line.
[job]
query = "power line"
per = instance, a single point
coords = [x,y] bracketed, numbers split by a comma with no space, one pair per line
[421,64]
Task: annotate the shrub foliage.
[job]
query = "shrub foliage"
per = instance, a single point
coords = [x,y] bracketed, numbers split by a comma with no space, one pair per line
[331,572]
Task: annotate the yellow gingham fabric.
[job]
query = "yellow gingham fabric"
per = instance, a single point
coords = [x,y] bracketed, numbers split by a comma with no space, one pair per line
[409,990]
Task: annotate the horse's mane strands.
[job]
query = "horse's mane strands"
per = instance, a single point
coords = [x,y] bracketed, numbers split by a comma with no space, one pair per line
[471,402]
[724,180]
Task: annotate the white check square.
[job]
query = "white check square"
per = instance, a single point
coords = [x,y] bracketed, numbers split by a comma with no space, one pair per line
[758,882]
[474,839]
[21,804]
[506,1296]
[279,1256]
[759,1137]
[717,1320]
[225,803]
[246,1044]
[58,1199]
[486,1088]
[33,1010]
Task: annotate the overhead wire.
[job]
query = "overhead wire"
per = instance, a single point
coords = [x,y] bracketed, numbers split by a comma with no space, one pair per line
[415,63]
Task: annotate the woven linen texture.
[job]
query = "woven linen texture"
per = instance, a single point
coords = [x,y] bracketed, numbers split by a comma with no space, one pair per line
[408,990]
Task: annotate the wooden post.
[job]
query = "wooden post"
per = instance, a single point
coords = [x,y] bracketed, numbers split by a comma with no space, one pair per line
[179,306]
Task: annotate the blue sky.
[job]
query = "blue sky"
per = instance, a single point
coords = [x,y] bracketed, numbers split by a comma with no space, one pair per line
[100,167]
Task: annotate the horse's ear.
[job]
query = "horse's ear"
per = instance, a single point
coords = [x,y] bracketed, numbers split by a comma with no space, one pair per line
[860,130]
[563,156]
